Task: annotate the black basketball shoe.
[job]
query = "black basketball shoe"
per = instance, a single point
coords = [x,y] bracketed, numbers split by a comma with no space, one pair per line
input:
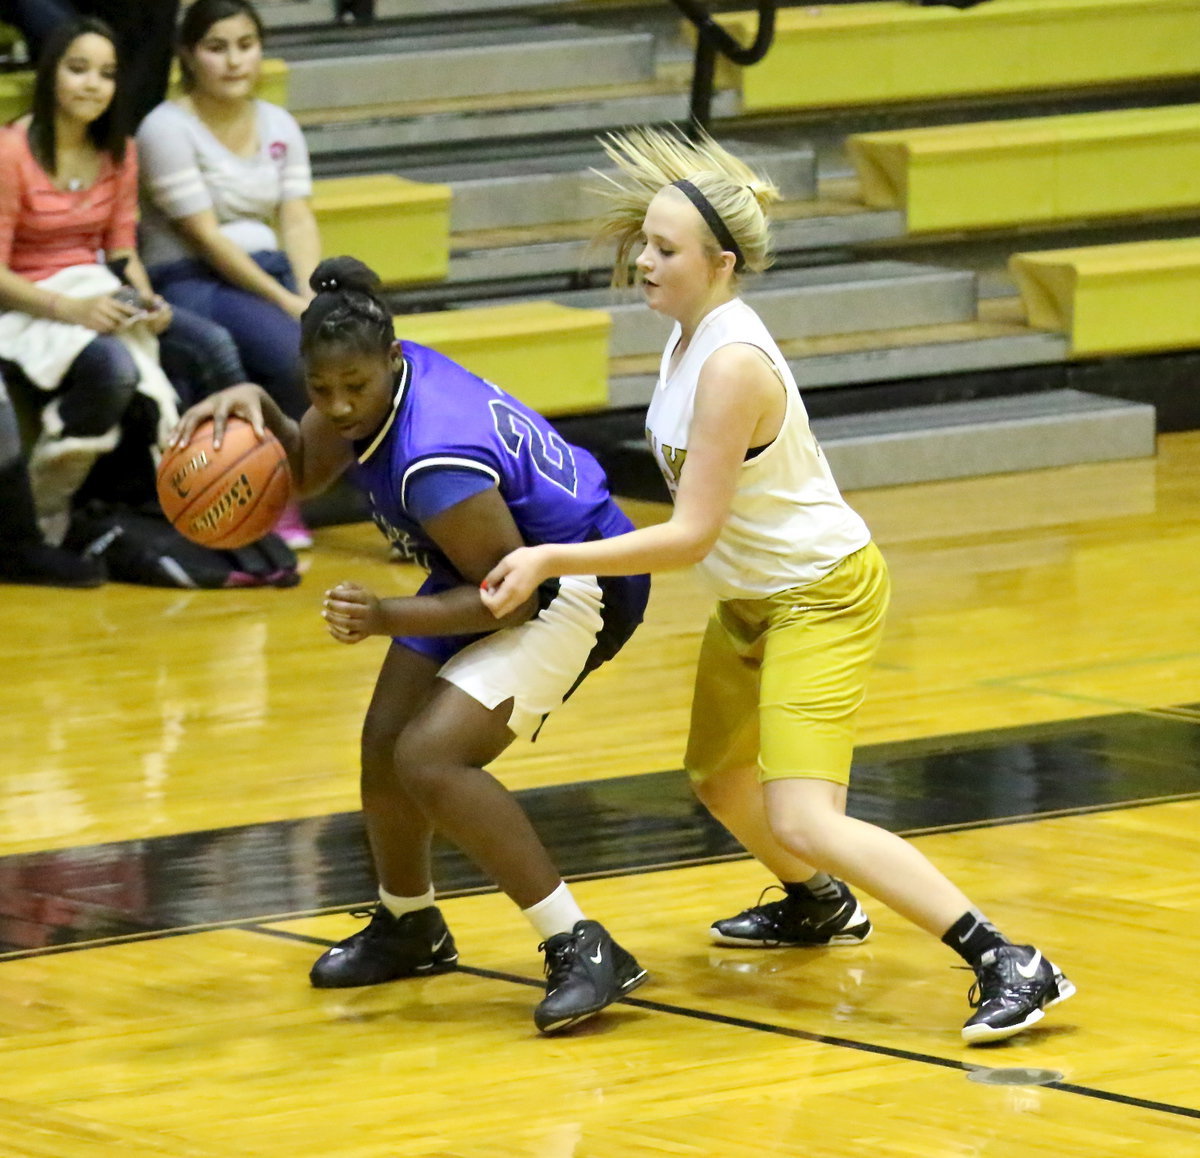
[1014,983]
[585,971]
[796,921]
[414,945]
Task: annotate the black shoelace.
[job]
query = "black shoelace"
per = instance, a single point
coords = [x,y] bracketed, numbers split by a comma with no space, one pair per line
[559,959]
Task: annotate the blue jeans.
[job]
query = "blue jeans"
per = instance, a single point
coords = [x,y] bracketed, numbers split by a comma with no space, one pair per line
[267,338]
[198,356]
[98,388]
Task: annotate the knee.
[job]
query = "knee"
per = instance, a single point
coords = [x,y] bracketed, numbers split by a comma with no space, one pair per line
[393,757]
[803,837]
[100,385]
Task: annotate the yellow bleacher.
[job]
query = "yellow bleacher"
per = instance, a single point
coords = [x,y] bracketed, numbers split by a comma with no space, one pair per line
[1125,298]
[870,54]
[552,357]
[1059,168]
[400,228]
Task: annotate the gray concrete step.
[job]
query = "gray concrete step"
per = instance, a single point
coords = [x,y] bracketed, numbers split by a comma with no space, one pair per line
[401,133]
[807,303]
[525,192]
[517,57]
[979,437]
[984,436]
[287,14]
[499,256]
[882,356]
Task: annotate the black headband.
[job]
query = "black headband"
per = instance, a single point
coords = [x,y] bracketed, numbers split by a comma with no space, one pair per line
[719,229]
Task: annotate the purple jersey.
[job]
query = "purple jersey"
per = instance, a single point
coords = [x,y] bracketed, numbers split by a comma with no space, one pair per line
[451,434]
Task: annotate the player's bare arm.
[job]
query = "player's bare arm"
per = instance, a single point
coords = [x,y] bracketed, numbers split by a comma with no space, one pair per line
[473,534]
[736,404]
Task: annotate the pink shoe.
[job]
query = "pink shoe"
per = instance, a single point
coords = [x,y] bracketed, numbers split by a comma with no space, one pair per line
[293,530]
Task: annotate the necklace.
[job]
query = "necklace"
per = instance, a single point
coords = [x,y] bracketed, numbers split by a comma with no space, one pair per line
[74,185]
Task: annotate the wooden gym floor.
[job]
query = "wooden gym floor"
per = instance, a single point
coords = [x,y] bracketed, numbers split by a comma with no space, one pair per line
[178,841]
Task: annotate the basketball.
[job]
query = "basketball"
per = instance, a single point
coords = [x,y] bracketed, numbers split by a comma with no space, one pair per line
[227,497]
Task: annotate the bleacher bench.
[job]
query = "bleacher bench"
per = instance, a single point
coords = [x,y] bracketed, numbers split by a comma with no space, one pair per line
[398,227]
[1039,169]
[869,54]
[552,357]
[1135,297]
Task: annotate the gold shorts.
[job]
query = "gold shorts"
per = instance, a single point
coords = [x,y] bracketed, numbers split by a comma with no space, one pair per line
[780,679]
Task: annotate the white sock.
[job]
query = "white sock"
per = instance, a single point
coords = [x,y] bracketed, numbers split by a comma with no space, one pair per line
[398,906]
[556,913]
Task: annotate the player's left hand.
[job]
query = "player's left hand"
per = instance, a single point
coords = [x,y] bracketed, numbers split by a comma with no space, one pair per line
[513,580]
[351,613]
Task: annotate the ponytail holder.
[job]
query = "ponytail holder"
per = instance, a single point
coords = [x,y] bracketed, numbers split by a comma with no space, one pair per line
[328,285]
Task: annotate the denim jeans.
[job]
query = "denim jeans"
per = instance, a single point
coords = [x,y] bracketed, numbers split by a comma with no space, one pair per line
[267,337]
[198,356]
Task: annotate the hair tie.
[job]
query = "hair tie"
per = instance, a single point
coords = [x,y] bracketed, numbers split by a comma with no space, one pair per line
[328,284]
[718,227]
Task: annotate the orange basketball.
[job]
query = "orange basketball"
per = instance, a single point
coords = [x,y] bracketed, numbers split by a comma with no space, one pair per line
[227,497]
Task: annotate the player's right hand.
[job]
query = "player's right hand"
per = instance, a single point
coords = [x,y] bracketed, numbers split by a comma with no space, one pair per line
[241,401]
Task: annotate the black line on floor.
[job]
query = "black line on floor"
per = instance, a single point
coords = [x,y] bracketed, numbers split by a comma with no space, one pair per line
[781,1031]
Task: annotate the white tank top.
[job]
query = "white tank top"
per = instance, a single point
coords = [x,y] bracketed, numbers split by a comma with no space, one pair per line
[788,524]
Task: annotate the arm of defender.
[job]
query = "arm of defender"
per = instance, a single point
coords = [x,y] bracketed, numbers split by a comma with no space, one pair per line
[473,535]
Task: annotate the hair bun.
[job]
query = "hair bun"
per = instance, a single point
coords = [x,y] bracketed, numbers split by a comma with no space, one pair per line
[344,275]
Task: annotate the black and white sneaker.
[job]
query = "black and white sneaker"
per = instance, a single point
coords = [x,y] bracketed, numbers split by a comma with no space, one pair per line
[796,922]
[414,945]
[1014,983]
[585,971]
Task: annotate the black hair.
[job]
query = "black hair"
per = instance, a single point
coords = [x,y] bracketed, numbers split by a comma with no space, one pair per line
[108,132]
[201,16]
[347,309]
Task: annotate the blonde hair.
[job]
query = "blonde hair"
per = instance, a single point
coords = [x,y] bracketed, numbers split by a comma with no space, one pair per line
[649,159]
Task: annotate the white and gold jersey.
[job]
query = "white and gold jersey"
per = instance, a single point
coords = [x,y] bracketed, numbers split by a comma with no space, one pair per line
[788,525]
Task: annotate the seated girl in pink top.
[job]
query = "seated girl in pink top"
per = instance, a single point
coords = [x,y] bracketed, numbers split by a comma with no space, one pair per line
[80,320]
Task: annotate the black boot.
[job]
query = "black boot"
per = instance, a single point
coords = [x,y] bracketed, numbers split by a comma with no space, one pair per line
[24,556]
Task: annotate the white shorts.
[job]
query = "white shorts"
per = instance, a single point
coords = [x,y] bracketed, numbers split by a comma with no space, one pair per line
[537,663]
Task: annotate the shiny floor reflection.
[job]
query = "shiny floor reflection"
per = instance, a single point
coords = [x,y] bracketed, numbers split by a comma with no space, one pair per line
[604,827]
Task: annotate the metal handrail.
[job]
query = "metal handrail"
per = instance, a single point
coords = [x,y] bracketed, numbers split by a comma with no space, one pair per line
[711,38]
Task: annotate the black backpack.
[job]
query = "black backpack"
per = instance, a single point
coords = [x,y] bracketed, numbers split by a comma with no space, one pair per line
[138,545]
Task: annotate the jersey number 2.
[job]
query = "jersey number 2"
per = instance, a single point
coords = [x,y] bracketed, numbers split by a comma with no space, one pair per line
[551,455]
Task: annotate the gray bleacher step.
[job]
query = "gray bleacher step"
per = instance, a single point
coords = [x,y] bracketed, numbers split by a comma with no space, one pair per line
[887,363]
[518,192]
[979,437]
[523,57]
[984,436]
[809,303]
[420,137]
[531,259]
[281,14]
